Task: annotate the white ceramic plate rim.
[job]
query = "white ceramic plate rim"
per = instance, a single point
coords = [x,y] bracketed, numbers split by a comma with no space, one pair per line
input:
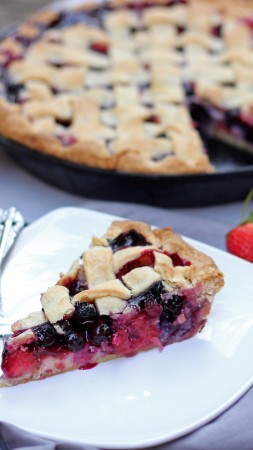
[162,436]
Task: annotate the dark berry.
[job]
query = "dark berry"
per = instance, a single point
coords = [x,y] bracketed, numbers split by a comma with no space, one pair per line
[150,297]
[129,239]
[75,342]
[102,330]
[217,30]
[78,284]
[200,113]
[64,122]
[156,291]
[46,334]
[13,91]
[63,327]
[232,116]
[188,88]
[172,308]
[85,312]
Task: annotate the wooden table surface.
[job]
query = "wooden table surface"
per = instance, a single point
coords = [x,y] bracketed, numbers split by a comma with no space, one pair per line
[13,10]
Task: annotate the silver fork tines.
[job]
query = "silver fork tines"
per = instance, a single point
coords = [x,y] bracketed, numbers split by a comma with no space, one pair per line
[11,223]
[18,224]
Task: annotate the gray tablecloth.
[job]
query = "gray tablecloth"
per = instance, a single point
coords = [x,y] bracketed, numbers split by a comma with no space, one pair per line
[233,430]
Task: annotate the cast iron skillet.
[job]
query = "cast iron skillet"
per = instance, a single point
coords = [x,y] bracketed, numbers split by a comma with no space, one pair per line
[231,182]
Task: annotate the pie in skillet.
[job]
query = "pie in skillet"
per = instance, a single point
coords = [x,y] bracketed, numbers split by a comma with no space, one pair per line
[131,86]
[134,289]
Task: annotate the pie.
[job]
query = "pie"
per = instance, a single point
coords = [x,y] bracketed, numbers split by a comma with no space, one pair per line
[134,289]
[131,86]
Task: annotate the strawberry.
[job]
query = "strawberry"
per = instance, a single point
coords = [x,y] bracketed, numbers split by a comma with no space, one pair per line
[240,239]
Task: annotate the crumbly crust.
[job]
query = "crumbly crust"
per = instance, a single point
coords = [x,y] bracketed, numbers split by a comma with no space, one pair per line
[56,303]
[67,110]
[33,319]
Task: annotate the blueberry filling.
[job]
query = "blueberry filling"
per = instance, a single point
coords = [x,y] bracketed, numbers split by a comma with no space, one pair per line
[232,120]
[46,334]
[85,326]
[153,295]
[13,91]
[101,331]
[151,316]
[170,306]
[78,284]
[200,114]
[188,88]
[75,341]
[129,239]
[63,327]
[171,309]
[85,312]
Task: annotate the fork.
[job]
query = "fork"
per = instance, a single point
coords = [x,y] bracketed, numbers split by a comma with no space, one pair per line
[12,224]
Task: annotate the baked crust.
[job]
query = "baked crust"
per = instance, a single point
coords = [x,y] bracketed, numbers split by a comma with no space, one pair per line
[202,267]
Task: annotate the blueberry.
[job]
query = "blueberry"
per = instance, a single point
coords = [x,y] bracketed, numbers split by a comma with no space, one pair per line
[232,117]
[129,239]
[85,311]
[150,297]
[172,308]
[188,88]
[63,327]
[46,334]
[75,342]
[79,283]
[156,291]
[102,331]
[13,91]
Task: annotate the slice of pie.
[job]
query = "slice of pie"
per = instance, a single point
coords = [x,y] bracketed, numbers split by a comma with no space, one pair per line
[130,85]
[134,289]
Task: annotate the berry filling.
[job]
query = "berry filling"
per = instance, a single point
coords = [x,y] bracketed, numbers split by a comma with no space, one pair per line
[129,239]
[177,260]
[217,30]
[9,57]
[147,258]
[152,119]
[154,318]
[77,284]
[99,47]
[207,117]
[66,139]
[14,91]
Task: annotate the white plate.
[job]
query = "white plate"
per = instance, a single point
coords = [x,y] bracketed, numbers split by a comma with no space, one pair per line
[130,402]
